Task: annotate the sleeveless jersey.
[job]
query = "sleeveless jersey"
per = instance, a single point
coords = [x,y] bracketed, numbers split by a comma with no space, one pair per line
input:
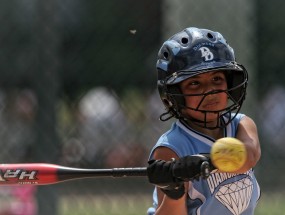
[221,193]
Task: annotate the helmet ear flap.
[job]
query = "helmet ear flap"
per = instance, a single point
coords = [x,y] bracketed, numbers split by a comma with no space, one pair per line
[163,92]
[176,96]
[237,83]
[171,97]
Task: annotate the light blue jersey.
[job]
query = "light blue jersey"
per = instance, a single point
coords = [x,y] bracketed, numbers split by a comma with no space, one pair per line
[221,193]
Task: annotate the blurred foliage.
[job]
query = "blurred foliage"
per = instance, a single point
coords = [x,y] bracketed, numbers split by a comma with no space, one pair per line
[269,44]
[97,43]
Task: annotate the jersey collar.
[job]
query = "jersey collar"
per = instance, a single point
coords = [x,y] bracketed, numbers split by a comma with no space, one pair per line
[200,136]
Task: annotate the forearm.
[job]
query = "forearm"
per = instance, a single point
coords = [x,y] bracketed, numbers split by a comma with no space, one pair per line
[171,178]
[247,133]
[253,155]
[169,206]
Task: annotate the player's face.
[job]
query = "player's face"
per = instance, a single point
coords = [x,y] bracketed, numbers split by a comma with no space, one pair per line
[201,103]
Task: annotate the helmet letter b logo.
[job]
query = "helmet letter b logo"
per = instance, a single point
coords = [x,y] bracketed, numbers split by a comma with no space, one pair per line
[206,53]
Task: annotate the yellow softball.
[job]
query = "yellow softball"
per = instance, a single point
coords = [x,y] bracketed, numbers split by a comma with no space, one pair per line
[228,154]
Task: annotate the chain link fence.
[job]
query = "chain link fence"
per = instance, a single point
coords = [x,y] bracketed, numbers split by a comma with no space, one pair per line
[78,88]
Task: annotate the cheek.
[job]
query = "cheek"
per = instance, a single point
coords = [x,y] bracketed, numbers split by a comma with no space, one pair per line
[224,99]
[193,101]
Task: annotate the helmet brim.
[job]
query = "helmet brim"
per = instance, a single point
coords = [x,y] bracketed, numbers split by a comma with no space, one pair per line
[197,70]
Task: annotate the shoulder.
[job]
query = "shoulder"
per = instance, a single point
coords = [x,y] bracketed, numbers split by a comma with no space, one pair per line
[173,136]
[244,119]
[247,123]
[174,140]
[237,119]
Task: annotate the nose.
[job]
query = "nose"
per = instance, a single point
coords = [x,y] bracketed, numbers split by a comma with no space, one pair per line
[210,90]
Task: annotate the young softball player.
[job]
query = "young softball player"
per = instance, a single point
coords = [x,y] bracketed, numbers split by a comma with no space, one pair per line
[203,87]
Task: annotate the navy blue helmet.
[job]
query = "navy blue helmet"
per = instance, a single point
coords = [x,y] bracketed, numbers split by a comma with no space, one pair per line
[195,51]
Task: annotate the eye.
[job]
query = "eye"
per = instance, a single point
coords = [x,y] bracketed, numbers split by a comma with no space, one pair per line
[219,79]
[193,83]
[189,85]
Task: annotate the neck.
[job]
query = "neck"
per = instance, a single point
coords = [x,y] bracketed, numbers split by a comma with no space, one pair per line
[214,133]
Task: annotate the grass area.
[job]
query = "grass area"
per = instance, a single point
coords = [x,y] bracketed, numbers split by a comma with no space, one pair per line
[272,204]
[102,205]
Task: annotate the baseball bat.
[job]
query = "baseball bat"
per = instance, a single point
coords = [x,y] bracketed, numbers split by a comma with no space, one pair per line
[43,173]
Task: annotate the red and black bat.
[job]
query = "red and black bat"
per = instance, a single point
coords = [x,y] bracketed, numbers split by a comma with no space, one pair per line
[43,173]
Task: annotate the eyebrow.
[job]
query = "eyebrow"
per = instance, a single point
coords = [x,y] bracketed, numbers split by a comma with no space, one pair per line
[218,71]
[211,73]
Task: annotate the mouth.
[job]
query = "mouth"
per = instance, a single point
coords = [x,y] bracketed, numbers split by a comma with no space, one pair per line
[210,105]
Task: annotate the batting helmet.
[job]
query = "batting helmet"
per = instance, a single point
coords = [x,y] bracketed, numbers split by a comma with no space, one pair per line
[195,51]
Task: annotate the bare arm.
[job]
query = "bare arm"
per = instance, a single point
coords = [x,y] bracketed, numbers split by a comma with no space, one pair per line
[247,133]
[166,205]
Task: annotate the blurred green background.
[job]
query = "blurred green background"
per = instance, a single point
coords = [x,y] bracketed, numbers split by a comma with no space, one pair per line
[78,88]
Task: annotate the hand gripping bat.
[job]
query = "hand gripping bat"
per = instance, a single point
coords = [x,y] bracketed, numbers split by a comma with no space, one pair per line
[43,173]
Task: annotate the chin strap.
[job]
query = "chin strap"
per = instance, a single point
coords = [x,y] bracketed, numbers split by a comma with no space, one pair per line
[166,116]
